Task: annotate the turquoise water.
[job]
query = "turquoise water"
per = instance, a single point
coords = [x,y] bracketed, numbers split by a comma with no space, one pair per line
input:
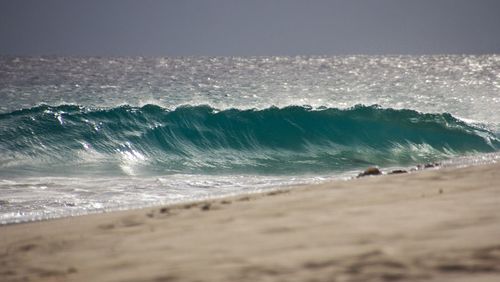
[80,135]
[47,140]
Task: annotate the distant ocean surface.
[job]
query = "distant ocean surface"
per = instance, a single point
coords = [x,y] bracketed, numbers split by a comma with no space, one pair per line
[82,135]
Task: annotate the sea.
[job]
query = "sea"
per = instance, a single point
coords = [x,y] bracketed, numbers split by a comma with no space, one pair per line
[82,135]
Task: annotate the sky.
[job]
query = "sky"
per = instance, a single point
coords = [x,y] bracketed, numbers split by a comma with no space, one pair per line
[248,27]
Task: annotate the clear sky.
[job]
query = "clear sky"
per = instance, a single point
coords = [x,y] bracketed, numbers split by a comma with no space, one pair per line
[248,27]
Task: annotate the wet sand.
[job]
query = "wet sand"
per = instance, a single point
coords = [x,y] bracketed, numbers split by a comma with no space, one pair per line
[434,225]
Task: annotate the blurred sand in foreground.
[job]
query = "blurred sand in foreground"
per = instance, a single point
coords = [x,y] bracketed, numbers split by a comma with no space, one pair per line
[435,225]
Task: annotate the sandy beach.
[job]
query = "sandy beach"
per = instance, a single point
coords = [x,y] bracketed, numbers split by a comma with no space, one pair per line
[434,225]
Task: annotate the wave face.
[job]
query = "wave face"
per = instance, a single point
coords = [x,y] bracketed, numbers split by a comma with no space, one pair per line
[150,140]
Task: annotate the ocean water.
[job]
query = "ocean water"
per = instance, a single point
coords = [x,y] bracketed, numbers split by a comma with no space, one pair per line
[82,135]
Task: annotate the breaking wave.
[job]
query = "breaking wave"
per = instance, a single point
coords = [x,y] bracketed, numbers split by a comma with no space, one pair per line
[149,140]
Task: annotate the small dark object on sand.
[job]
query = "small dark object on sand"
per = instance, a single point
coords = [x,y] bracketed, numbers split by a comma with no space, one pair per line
[370,171]
[206,207]
[164,210]
[398,171]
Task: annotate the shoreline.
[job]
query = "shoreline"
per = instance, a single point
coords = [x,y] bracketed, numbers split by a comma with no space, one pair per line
[432,225]
[345,176]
